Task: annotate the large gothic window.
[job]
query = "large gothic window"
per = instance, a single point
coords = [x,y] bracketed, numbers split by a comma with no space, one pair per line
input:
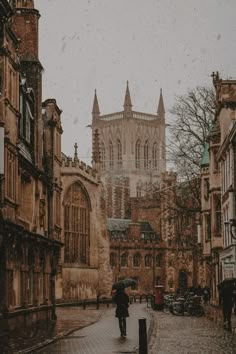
[76,225]
[137,153]
[119,154]
[146,152]
[103,156]
[154,156]
[111,155]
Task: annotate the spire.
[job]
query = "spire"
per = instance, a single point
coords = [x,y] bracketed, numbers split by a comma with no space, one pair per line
[127,102]
[95,111]
[161,108]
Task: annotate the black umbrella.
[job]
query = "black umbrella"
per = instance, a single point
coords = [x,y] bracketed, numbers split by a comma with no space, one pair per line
[124,283]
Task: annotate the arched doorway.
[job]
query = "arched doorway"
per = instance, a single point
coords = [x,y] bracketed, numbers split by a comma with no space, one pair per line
[183,279]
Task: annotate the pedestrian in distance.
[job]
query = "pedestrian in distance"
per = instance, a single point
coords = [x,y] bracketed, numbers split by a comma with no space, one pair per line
[122,303]
[227,302]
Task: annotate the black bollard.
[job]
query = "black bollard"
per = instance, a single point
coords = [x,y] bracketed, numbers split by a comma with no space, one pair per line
[84,304]
[98,302]
[143,336]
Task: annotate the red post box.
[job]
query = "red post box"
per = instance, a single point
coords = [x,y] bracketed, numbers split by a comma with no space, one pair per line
[159,297]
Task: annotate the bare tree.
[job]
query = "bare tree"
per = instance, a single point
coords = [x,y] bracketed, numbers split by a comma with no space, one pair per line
[194,113]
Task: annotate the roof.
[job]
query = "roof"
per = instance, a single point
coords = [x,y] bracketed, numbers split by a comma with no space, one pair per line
[145,226]
[118,224]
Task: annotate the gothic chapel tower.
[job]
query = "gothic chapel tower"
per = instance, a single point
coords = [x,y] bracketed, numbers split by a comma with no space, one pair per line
[132,153]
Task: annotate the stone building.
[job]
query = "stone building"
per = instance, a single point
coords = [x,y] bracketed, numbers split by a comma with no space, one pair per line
[158,245]
[30,180]
[133,154]
[218,188]
[85,271]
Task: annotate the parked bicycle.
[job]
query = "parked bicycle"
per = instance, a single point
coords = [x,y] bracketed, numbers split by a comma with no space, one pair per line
[187,306]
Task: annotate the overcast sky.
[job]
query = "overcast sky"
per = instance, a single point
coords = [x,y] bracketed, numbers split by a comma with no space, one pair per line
[170,44]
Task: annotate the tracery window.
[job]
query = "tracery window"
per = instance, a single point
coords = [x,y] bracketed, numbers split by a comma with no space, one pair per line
[137,153]
[103,156]
[76,225]
[111,155]
[119,154]
[154,156]
[137,260]
[146,152]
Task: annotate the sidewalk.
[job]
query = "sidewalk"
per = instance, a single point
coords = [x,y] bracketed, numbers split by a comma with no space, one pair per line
[103,337]
[81,331]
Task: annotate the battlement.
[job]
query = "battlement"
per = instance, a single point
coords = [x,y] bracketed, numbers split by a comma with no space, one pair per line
[87,171]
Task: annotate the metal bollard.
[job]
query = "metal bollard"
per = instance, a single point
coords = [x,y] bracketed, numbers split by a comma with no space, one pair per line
[143,349]
[98,302]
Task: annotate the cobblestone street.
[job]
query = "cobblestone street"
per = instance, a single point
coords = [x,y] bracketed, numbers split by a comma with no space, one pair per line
[189,335]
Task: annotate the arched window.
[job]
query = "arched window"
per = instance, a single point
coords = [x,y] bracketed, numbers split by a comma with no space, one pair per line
[154,156]
[137,260]
[159,260]
[111,155]
[103,156]
[76,225]
[30,278]
[113,259]
[137,153]
[146,152]
[148,260]
[139,189]
[119,154]
[41,279]
[124,260]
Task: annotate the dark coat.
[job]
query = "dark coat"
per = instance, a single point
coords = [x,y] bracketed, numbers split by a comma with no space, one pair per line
[122,303]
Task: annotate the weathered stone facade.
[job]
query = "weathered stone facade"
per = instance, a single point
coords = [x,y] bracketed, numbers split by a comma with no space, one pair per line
[85,271]
[132,151]
[218,190]
[30,190]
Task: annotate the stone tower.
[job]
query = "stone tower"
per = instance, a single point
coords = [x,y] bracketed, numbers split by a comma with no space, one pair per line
[132,152]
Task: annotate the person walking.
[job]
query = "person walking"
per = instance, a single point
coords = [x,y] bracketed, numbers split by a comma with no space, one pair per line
[227,301]
[122,303]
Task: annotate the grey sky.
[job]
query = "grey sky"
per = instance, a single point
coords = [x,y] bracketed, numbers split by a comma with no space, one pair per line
[168,44]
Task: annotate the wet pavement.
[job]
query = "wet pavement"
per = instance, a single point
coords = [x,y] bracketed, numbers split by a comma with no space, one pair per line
[103,337]
[189,335]
[69,319]
[92,331]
